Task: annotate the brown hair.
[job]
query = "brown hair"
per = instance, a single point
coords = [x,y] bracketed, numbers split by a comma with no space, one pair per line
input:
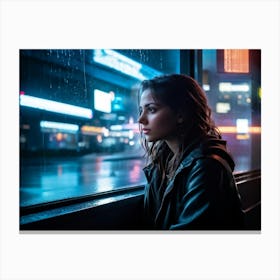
[185,97]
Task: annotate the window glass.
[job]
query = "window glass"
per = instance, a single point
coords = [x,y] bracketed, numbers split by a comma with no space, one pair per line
[78,120]
[232,82]
[78,115]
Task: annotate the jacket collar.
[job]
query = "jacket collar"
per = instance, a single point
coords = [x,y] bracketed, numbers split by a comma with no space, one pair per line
[196,149]
[192,152]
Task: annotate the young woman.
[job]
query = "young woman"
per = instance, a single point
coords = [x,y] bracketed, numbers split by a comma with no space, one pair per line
[189,171]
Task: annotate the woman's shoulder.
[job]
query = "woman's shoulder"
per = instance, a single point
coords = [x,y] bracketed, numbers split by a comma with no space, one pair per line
[209,150]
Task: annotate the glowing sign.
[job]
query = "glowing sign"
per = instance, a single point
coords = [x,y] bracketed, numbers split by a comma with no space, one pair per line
[119,62]
[59,126]
[94,129]
[206,87]
[222,107]
[102,101]
[53,106]
[228,87]
[242,126]
[123,64]
[233,129]
[116,127]
[236,61]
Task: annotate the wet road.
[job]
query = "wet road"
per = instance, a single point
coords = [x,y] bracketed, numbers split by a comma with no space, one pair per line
[55,179]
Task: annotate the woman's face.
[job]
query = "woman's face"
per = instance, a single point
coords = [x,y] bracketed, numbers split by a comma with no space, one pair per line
[157,121]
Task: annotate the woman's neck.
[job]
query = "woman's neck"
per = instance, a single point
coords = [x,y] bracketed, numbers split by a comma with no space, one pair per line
[174,145]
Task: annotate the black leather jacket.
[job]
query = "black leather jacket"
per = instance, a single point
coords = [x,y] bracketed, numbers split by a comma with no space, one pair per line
[202,194]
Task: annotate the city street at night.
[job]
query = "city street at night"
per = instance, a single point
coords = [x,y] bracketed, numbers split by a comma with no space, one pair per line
[79,111]
[54,179]
[51,179]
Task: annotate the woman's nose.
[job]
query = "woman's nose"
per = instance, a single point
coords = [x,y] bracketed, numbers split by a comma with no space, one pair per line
[141,119]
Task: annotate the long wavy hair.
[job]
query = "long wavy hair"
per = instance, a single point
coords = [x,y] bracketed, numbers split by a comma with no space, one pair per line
[185,97]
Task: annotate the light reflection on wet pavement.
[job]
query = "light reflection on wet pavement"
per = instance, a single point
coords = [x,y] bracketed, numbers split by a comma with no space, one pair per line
[45,180]
[57,179]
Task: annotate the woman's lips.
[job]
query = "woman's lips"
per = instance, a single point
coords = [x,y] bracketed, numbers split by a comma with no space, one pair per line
[145,131]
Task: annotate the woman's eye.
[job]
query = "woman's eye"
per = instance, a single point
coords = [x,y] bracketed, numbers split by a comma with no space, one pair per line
[151,110]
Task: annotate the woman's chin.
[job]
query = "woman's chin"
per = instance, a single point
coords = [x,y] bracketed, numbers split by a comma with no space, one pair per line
[150,139]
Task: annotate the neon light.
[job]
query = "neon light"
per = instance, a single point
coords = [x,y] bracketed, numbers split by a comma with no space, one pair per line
[242,136]
[60,126]
[255,129]
[242,125]
[59,137]
[227,129]
[124,64]
[116,127]
[119,62]
[53,106]
[236,61]
[259,92]
[94,129]
[102,101]
[130,134]
[222,107]
[228,87]
[131,126]
[233,129]
[206,87]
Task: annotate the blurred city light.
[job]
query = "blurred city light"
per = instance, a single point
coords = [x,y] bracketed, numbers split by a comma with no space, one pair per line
[54,106]
[102,101]
[94,130]
[228,87]
[236,61]
[242,125]
[116,127]
[60,126]
[206,87]
[124,64]
[233,129]
[222,107]
[119,62]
